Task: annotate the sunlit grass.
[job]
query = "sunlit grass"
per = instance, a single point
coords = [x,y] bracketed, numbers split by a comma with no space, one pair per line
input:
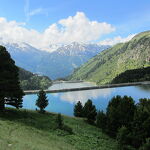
[30,130]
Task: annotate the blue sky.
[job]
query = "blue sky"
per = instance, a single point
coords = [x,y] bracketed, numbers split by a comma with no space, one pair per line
[126,16]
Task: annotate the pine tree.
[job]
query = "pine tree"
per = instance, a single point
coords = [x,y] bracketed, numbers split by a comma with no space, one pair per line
[101,120]
[120,112]
[42,100]
[10,91]
[78,109]
[89,111]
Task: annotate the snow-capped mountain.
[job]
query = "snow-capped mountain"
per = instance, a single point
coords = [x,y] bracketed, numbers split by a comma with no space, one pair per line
[59,63]
[68,57]
[76,49]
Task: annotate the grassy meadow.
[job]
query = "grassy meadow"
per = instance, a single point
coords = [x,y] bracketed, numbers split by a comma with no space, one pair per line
[30,130]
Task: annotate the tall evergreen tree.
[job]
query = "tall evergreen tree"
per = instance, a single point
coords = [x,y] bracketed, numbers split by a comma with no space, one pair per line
[89,111]
[42,100]
[78,109]
[10,91]
[101,120]
[120,112]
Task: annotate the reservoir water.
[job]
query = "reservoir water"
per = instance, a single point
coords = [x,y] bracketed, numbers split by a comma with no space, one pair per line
[64,102]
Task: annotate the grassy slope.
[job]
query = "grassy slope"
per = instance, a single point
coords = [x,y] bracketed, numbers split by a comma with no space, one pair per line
[111,62]
[29,130]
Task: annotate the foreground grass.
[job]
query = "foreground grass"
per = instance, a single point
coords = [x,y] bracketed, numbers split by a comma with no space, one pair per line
[29,130]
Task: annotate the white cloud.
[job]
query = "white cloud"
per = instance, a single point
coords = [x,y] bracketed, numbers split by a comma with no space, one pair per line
[116,40]
[74,28]
[83,96]
[35,12]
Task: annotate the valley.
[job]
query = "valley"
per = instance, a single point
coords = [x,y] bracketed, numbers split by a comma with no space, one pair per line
[55,64]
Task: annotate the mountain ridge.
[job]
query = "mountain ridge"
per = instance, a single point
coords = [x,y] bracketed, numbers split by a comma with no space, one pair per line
[59,63]
[109,63]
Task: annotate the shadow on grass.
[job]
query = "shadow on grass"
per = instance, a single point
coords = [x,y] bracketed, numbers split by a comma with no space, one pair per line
[46,121]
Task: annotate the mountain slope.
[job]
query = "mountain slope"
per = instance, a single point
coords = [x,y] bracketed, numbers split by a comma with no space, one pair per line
[113,61]
[59,63]
[66,58]
[30,81]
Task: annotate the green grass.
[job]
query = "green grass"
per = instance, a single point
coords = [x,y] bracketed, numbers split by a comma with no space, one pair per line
[30,130]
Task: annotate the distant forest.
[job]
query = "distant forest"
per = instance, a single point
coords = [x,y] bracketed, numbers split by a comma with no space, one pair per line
[30,81]
[135,75]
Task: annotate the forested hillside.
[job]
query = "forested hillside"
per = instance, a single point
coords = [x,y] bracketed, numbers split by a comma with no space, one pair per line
[30,81]
[135,75]
[108,64]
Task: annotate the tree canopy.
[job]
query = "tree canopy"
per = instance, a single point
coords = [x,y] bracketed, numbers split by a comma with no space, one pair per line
[10,91]
[78,109]
[42,100]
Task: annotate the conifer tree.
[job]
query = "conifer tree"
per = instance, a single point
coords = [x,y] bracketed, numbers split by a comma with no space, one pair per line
[78,109]
[42,100]
[10,91]
[120,112]
[101,120]
[89,111]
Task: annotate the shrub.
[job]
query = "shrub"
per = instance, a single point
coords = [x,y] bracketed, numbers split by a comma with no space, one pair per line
[146,146]
[122,137]
[68,129]
[59,121]
[61,125]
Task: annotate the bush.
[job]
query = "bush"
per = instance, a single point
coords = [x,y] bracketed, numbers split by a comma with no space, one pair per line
[59,121]
[68,129]
[61,125]
[122,137]
[146,146]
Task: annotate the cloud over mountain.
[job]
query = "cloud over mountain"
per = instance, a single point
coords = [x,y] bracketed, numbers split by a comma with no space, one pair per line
[116,40]
[74,28]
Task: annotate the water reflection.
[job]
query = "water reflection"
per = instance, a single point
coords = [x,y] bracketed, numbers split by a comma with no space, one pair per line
[83,96]
[144,87]
[64,102]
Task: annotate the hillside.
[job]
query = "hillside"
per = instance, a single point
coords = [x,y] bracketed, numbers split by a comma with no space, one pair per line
[30,81]
[104,67]
[30,130]
[134,75]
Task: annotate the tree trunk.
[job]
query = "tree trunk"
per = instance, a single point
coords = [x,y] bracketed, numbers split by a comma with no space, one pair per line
[2,104]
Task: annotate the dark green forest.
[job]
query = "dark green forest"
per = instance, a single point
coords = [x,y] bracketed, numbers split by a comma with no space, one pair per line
[124,120]
[134,75]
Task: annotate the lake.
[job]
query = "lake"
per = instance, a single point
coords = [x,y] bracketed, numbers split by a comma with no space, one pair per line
[64,102]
